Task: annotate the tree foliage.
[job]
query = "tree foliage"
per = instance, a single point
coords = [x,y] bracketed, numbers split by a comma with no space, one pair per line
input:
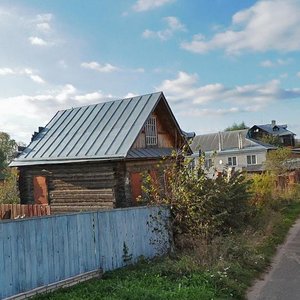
[236,126]
[8,148]
[8,177]
[271,187]
[271,139]
[9,192]
[277,161]
[200,206]
[262,189]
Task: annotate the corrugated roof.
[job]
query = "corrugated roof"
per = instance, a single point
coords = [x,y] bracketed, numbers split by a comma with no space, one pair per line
[230,140]
[102,131]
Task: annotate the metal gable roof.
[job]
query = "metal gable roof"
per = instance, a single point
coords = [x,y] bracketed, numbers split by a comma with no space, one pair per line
[229,141]
[102,131]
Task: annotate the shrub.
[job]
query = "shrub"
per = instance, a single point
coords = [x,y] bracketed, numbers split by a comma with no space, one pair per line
[262,188]
[200,206]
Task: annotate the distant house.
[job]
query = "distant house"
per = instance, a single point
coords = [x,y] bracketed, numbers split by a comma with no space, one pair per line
[230,149]
[286,137]
[92,157]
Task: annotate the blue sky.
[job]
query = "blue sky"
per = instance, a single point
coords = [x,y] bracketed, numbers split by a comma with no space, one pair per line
[217,61]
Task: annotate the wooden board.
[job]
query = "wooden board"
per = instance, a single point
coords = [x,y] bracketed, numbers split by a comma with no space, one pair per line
[40,190]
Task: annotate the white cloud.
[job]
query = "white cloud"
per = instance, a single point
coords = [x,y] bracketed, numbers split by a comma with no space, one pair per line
[267,25]
[267,64]
[66,93]
[173,25]
[36,110]
[37,79]
[44,17]
[298,74]
[22,71]
[278,62]
[92,97]
[104,68]
[37,41]
[206,111]
[185,90]
[43,27]
[6,71]
[145,5]
[130,95]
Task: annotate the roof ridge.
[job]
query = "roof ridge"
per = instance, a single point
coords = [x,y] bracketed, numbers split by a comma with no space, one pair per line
[112,100]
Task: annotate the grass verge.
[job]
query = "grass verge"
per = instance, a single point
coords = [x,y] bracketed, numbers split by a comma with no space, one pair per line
[224,269]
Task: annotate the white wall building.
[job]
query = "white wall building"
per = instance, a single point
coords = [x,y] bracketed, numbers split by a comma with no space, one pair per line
[231,149]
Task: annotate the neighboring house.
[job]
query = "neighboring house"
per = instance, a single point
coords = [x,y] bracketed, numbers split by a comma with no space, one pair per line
[92,157]
[286,137]
[230,149]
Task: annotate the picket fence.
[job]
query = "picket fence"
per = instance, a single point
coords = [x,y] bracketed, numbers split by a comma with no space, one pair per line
[16,211]
[40,251]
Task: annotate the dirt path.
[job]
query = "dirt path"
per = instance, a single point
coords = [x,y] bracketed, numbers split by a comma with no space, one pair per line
[283,280]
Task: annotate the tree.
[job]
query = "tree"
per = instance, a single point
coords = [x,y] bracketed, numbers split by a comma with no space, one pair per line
[8,189]
[236,126]
[9,192]
[278,161]
[8,148]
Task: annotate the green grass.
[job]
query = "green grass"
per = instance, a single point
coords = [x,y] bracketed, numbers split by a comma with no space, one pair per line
[223,270]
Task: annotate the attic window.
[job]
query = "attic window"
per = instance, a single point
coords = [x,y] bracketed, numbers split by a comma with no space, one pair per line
[151,132]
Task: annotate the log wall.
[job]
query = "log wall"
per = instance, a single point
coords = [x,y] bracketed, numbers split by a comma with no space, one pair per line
[78,187]
[141,167]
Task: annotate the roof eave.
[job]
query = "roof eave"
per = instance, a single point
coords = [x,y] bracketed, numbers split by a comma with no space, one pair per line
[24,163]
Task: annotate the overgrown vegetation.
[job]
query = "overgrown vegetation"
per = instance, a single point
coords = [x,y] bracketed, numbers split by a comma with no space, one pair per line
[200,206]
[8,177]
[226,231]
[9,192]
[278,161]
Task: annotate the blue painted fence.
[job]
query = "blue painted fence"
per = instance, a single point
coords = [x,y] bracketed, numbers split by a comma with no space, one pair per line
[40,251]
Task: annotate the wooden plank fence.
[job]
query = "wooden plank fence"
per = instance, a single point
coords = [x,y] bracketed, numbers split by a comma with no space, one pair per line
[41,251]
[16,211]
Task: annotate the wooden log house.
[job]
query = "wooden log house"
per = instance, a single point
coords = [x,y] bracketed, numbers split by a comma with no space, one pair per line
[92,157]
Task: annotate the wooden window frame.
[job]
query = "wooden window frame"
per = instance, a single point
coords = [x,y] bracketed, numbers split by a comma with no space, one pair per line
[151,132]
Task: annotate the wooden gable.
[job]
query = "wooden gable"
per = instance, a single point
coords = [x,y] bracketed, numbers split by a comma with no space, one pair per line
[168,135]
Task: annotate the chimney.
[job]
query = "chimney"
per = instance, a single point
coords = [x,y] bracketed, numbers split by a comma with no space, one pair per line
[34,135]
[273,122]
[240,140]
[220,141]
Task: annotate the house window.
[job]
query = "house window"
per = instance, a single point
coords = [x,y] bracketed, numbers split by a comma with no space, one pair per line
[208,163]
[151,132]
[251,160]
[232,161]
